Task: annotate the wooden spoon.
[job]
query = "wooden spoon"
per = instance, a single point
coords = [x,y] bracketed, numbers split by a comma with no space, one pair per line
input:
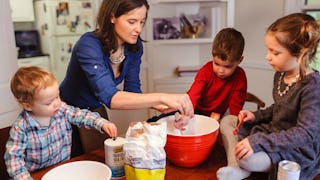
[235,130]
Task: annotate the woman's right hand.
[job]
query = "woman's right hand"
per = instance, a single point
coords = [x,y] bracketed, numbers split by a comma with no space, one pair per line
[163,108]
[179,102]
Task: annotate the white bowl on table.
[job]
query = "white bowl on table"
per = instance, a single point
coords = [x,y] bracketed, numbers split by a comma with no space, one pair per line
[79,170]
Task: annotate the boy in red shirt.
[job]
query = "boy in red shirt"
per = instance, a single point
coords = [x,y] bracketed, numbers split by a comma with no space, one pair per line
[221,84]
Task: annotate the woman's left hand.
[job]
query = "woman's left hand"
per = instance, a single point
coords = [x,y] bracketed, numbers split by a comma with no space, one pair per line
[243,149]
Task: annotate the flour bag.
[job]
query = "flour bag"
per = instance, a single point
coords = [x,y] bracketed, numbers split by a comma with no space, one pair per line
[145,157]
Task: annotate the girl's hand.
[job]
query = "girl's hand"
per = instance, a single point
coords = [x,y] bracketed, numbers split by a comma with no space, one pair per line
[181,121]
[111,129]
[240,119]
[243,149]
[247,116]
[243,116]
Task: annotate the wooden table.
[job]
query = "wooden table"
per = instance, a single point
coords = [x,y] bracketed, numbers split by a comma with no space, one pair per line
[205,171]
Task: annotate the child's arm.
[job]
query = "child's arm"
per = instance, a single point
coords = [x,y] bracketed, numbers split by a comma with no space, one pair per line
[14,155]
[88,119]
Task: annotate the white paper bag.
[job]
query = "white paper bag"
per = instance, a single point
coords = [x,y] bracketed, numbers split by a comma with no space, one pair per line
[145,157]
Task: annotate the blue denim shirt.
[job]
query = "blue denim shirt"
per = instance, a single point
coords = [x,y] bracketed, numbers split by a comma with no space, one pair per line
[90,82]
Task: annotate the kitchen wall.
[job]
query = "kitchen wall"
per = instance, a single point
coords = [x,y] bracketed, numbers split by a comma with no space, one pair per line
[251,18]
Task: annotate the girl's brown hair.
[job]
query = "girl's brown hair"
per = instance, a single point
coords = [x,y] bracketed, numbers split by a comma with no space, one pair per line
[299,33]
[28,81]
[105,30]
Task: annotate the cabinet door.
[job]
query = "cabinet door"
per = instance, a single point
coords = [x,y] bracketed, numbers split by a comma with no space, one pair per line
[165,54]
[22,10]
[40,61]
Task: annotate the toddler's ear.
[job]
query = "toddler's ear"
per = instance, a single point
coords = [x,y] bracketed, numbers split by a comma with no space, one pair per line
[26,106]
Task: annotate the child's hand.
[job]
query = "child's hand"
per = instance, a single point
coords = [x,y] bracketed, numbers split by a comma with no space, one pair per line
[181,121]
[244,116]
[111,129]
[247,116]
[243,149]
[236,129]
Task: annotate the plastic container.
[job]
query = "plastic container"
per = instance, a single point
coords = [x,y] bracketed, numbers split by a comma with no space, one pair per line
[114,156]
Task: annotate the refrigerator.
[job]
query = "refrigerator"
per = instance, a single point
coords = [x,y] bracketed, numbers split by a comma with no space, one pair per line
[60,24]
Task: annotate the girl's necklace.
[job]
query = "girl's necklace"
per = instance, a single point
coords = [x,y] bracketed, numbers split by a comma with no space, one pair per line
[119,59]
[281,93]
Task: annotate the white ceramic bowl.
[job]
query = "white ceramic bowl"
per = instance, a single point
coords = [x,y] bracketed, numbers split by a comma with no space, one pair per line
[79,170]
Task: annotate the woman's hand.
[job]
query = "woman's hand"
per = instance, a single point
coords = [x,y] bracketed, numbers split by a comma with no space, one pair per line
[179,102]
[243,149]
[163,108]
[111,129]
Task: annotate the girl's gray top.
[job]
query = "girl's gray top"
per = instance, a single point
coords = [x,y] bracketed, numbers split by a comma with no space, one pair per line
[289,129]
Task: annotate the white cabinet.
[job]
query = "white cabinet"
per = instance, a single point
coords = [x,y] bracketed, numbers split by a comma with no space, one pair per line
[40,61]
[22,10]
[164,55]
[173,85]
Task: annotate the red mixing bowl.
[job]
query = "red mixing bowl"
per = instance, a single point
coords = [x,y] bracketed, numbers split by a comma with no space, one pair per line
[189,148]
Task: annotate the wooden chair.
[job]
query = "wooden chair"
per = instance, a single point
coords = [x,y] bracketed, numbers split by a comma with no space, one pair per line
[4,134]
[254,99]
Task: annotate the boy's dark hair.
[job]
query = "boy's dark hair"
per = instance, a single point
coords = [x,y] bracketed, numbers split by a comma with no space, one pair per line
[228,45]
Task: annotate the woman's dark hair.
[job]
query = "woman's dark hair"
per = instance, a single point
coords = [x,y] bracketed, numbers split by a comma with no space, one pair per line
[105,30]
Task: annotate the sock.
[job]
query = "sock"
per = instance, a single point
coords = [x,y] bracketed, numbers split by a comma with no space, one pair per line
[232,173]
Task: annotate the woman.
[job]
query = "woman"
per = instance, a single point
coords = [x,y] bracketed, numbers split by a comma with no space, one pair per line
[110,55]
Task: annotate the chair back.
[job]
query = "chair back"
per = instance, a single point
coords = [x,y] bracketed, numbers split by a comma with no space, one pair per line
[251,98]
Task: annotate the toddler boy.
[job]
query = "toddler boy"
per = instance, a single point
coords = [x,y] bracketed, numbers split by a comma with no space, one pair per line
[41,135]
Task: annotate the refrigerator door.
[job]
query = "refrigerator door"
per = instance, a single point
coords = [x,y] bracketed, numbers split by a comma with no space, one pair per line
[63,46]
[68,17]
